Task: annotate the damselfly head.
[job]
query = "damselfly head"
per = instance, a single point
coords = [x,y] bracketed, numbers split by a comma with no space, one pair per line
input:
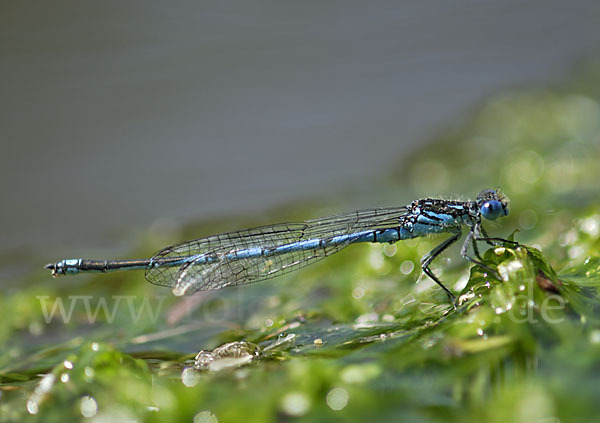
[492,204]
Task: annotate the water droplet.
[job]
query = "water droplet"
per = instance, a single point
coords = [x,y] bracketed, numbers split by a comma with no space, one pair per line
[190,377]
[89,373]
[337,399]
[35,328]
[358,292]
[407,267]
[390,250]
[88,406]
[295,403]
[231,354]
[205,417]
[591,226]
[32,407]
[368,318]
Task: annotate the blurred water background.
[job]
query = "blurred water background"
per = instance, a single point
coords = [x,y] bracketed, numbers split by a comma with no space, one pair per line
[119,115]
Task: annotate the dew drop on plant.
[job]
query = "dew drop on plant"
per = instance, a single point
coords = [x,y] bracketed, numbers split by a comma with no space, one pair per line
[337,399]
[595,336]
[390,250]
[295,403]
[205,417]
[190,377]
[358,292]
[407,267]
[88,406]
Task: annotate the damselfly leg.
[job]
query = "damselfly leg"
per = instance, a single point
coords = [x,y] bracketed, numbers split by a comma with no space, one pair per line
[432,255]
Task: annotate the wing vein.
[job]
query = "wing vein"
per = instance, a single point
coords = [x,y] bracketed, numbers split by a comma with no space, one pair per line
[252,255]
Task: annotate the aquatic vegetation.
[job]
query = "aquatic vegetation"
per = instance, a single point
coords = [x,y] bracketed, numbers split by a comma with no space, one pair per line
[354,337]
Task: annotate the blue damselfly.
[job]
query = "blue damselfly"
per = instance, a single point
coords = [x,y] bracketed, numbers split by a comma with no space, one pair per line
[252,255]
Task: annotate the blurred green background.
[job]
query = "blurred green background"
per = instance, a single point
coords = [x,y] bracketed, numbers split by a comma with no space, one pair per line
[354,338]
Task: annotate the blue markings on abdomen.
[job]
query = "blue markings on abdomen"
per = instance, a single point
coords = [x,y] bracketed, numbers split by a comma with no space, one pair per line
[310,244]
[250,252]
[426,223]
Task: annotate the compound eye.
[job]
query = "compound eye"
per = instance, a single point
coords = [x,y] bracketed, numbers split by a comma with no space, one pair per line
[492,210]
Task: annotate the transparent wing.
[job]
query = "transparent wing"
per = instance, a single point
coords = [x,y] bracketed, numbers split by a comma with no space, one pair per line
[163,272]
[184,267]
[194,276]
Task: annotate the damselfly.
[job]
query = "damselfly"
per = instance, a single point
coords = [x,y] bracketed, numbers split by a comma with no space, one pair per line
[252,255]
